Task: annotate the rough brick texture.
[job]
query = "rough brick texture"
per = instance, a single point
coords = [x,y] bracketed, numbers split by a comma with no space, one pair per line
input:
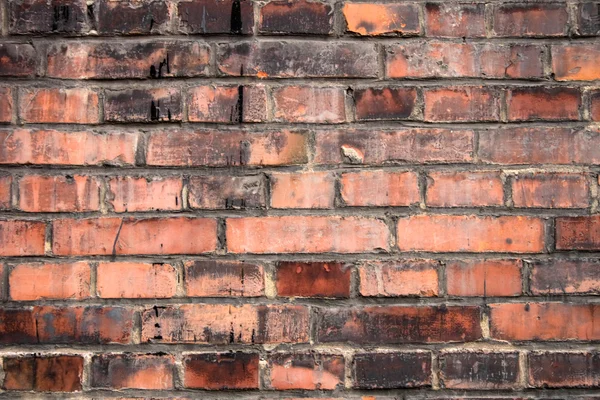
[286,199]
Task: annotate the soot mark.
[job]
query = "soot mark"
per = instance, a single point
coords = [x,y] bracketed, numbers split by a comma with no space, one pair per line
[237,111]
[155,112]
[236,18]
[91,17]
[157,73]
[61,17]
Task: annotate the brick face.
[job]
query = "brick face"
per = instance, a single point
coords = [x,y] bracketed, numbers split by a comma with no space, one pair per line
[320,199]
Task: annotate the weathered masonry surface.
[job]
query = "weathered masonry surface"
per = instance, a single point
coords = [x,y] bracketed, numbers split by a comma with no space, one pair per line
[236,199]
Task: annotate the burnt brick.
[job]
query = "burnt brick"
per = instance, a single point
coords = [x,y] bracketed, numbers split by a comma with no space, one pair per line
[18,60]
[43,374]
[133,18]
[221,371]
[472,370]
[384,103]
[235,17]
[297,17]
[47,16]
[143,105]
[392,370]
[562,369]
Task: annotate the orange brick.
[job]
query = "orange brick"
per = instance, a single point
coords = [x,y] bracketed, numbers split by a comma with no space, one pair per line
[6,104]
[455,20]
[484,278]
[399,278]
[302,190]
[550,190]
[464,189]
[49,281]
[22,238]
[39,193]
[228,104]
[130,194]
[576,62]
[66,106]
[309,104]
[5,191]
[454,104]
[118,280]
[379,188]
[210,278]
[381,19]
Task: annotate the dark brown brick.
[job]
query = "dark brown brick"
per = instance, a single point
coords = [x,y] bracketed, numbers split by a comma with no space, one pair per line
[305,371]
[143,105]
[132,371]
[483,371]
[221,371]
[235,17]
[314,279]
[18,373]
[540,103]
[588,23]
[18,59]
[133,18]
[44,374]
[47,16]
[565,277]
[562,369]
[227,192]
[578,233]
[455,20]
[297,17]
[384,104]
[530,20]
[392,370]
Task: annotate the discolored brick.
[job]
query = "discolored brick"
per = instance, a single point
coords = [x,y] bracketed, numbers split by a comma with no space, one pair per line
[302,190]
[578,233]
[227,192]
[564,369]
[76,193]
[550,190]
[392,370]
[398,278]
[132,371]
[382,19]
[22,238]
[384,104]
[5,191]
[455,19]
[464,189]
[588,23]
[117,280]
[297,17]
[484,278]
[59,373]
[313,279]
[305,371]
[479,370]
[541,103]
[228,104]
[221,371]
[456,104]
[127,18]
[130,194]
[6,104]
[18,60]
[47,17]
[235,17]
[143,105]
[576,62]
[313,105]
[59,105]
[530,20]
[224,279]
[560,277]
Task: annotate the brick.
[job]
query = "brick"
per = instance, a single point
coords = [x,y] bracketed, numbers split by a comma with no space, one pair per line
[544,321]
[595,105]
[226,324]
[537,103]
[5,191]
[550,190]
[18,59]
[221,371]
[127,18]
[461,103]
[76,193]
[211,278]
[384,103]
[576,62]
[564,369]
[484,278]
[222,148]
[49,281]
[313,279]
[143,105]
[311,105]
[560,277]
[6,104]
[377,147]
[131,194]
[427,59]
[22,238]
[66,325]
[464,189]
[128,60]
[115,236]
[397,324]
[46,17]
[530,20]
[578,233]
[54,105]
[227,192]
[118,280]
[379,188]
[469,233]
[216,16]
[382,19]
[51,147]
[587,19]
[277,59]
[132,371]
[227,104]
[305,371]
[298,17]
[59,373]
[455,20]
[479,370]
[306,234]
[398,278]
[548,145]
[391,370]
[302,190]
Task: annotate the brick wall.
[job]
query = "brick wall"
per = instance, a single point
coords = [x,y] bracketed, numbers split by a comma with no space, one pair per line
[391,200]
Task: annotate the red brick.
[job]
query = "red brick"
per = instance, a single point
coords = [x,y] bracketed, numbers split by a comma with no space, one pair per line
[143,105]
[373,146]
[530,20]
[595,105]
[278,59]
[227,104]
[158,59]
[305,371]
[397,324]
[22,238]
[579,276]
[130,194]
[306,234]
[576,62]
[391,370]
[5,191]
[309,104]
[133,371]
[210,278]
[398,278]
[470,233]
[484,278]
[222,148]
[303,190]
[536,103]
[6,104]
[54,105]
[479,370]
[57,373]
[379,188]
[45,17]
[455,20]
[578,233]
[216,16]
[464,189]
[130,18]
[38,193]
[384,103]
[18,59]
[544,321]
[221,371]
[382,19]
[550,190]
[49,281]
[298,17]
[313,279]
[461,103]
[117,280]
[564,369]
[547,145]
[227,192]
[226,324]
[106,236]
